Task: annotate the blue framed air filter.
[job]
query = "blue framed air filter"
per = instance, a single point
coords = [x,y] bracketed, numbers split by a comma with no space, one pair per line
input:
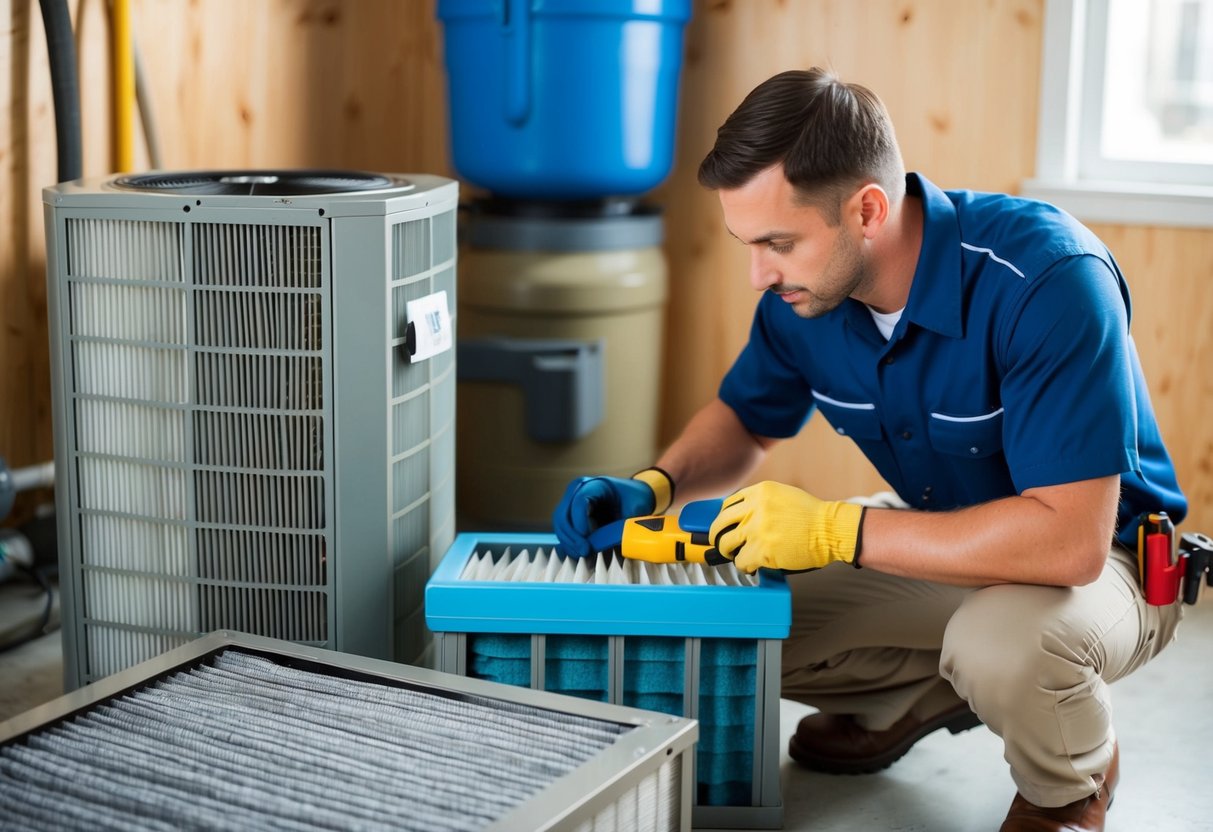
[682,639]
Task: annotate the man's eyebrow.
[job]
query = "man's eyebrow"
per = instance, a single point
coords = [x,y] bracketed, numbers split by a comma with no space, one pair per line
[765,238]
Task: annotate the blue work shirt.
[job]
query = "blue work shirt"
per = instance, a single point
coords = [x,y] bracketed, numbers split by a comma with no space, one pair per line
[1011,367]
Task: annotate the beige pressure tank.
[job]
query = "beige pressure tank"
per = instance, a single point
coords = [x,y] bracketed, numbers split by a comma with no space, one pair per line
[560,337]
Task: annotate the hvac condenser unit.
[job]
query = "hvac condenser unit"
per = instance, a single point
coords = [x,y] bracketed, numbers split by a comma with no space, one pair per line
[246,435]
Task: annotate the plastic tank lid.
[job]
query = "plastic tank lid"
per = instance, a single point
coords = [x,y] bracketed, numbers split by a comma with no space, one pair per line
[677,10]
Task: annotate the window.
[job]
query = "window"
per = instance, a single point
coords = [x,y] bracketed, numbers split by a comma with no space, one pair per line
[1126,119]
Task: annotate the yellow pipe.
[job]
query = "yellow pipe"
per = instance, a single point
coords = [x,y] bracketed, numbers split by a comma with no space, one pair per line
[122,58]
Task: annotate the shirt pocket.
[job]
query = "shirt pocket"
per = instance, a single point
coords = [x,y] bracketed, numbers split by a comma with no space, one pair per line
[858,420]
[973,437]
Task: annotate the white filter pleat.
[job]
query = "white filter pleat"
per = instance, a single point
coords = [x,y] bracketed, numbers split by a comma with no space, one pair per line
[552,571]
[567,572]
[616,574]
[549,566]
[637,573]
[536,569]
[581,575]
[517,566]
[696,576]
[478,567]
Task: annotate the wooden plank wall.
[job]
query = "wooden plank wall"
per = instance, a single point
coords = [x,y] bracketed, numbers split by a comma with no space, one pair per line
[360,84]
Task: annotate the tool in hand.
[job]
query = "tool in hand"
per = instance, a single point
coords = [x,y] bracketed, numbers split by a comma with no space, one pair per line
[664,538]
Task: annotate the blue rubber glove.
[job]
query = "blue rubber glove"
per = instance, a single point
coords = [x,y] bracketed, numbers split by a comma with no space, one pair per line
[592,502]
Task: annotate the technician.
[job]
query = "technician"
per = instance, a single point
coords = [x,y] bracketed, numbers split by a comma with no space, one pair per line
[976,347]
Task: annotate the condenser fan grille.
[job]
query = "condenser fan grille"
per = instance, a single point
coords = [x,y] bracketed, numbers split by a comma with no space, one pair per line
[257,182]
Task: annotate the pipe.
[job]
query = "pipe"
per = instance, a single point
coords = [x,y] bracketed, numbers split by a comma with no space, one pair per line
[146,114]
[123,76]
[65,87]
[23,479]
[35,476]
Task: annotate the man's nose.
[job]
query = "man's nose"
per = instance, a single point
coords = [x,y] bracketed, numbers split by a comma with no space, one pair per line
[763,274]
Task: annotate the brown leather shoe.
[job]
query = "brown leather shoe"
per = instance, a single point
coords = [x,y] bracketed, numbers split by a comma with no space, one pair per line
[1085,815]
[836,744]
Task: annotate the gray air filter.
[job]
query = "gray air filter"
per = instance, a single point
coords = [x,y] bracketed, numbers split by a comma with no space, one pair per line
[237,732]
[246,437]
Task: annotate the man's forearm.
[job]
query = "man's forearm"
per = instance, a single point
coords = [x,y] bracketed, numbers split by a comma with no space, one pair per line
[713,454]
[1056,536]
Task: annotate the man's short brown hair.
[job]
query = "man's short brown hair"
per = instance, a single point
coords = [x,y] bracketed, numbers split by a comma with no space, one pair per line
[830,137]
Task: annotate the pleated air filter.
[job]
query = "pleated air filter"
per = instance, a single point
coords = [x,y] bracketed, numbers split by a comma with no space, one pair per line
[681,639]
[246,437]
[239,732]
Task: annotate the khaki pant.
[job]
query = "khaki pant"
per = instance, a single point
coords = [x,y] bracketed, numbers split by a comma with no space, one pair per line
[1033,662]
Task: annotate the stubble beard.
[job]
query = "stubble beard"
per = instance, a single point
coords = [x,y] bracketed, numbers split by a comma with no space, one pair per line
[845,273]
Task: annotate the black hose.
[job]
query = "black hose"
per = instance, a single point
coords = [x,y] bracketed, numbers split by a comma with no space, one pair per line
[65,86]
[43,625]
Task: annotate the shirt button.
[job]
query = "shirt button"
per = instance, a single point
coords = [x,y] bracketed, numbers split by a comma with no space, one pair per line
[905,434]
[974,450]
[841,431]
[927,489]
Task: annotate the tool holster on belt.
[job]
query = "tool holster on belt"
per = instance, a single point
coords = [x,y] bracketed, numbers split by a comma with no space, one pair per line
[1163,569]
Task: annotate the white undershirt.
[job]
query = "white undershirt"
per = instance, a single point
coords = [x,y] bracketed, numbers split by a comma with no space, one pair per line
[885,321]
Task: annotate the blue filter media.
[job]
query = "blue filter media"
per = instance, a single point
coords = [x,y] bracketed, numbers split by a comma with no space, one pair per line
[725,755]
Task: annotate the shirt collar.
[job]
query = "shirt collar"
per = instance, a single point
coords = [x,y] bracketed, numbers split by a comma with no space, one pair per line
[935,294]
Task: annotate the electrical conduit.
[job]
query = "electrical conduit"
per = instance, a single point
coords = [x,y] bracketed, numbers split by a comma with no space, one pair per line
[122,57]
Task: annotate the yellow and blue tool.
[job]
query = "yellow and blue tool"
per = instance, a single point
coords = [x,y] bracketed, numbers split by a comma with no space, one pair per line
[664,538]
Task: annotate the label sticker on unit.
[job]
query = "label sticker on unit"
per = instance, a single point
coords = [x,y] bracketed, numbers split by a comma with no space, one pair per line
[429,329]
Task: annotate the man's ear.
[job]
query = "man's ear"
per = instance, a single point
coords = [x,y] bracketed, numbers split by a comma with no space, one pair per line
[871,204]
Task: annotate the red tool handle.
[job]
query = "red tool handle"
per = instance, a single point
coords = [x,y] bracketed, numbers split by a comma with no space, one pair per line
[1162,576]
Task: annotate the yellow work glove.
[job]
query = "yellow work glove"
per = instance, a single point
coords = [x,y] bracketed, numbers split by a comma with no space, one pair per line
[776,526]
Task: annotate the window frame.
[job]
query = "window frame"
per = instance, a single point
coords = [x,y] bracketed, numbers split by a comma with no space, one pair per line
[1070,122]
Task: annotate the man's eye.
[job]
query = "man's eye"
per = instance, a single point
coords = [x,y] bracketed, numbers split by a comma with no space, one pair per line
[780,248]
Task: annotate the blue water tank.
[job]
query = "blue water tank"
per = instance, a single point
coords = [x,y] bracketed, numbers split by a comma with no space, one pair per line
[563,99]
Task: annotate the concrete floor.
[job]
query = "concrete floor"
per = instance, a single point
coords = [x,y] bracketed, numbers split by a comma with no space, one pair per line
[1164,718]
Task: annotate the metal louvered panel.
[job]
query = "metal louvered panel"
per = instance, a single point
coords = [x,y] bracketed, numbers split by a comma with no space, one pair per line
[123,428]
[421,419]
[129,312]
[195,347]
[185,463]
[259,382]
[259,440]
[127,371]
[286,558]
[124,249]
[258,320]
[133,488]
[284,256]
[136,545]
[260,482]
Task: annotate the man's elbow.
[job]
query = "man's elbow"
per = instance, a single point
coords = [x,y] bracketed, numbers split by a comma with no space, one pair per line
[1087,560]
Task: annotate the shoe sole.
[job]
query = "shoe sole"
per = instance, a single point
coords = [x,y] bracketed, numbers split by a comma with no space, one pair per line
[869,765]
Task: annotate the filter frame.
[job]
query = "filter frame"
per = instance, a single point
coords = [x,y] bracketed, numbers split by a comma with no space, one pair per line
[566,802]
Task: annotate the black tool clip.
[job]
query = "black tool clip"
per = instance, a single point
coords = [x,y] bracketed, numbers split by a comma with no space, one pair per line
[1197,550]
